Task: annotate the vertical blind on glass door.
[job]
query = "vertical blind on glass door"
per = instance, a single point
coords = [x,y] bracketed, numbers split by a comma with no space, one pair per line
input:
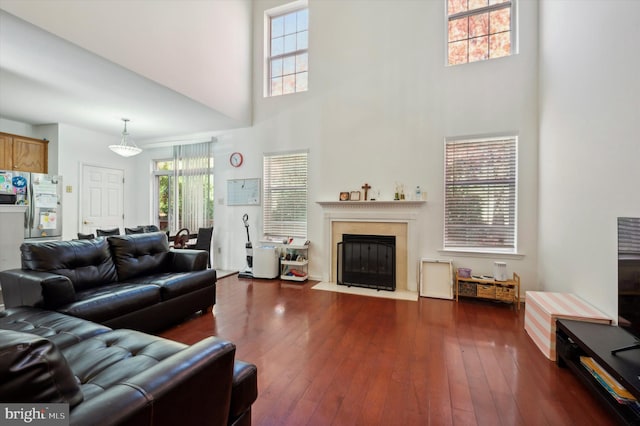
[194,177]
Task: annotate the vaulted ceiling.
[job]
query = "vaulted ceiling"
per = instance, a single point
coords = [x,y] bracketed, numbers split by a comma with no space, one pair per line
[175,68]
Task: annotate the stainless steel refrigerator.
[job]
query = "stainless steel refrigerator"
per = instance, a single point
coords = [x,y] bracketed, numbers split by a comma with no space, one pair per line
[43,195]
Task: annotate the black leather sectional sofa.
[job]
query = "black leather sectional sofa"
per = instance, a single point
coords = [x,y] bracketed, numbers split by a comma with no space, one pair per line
[123,281]
[66,335]
[121,377]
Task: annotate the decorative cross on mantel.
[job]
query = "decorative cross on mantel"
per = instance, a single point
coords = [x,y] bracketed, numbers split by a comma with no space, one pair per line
[366,188]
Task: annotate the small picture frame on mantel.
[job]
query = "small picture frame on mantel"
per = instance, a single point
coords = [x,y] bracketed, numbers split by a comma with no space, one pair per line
[354,196]
[344,196]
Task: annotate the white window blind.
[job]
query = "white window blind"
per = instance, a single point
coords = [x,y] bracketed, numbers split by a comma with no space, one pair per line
[285,195]
[480,194]
[629,236]
[194,179]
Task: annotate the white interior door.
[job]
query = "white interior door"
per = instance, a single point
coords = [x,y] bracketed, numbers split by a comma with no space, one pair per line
[102,199]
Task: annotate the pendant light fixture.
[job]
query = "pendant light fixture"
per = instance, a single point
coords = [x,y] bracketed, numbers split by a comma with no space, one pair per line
[127,147]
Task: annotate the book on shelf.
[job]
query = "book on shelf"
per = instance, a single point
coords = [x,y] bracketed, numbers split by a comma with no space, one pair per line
[619,392]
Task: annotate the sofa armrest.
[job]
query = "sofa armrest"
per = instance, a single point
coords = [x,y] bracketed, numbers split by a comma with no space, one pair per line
[22,287]
[187,260]
[192,386]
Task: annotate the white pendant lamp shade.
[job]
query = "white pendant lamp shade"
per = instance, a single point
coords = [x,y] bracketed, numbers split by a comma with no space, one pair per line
[127,147]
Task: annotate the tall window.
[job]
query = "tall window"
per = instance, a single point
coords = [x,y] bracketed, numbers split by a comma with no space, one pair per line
[285,195]
[479,30]
[480,194]
[184,188]
[287,45]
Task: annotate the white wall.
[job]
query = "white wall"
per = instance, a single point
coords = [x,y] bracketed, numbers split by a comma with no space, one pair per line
[379,105]
[589,146]
[16,127]
[78,146]
[140,35]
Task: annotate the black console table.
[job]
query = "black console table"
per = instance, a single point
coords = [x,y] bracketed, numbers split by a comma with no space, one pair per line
[576,338]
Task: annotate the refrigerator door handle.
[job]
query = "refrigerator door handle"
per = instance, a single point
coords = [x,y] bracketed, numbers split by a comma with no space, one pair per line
[31,209]
[27,217]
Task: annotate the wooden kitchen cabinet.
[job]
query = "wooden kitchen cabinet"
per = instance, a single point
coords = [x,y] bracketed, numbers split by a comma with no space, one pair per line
[23,154]
[6,150]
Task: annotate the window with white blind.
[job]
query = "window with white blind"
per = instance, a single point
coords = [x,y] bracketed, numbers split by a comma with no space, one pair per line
[481,194]
[629,236]
[285,195]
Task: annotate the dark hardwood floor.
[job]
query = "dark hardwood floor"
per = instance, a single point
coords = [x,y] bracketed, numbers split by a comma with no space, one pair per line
[335,359]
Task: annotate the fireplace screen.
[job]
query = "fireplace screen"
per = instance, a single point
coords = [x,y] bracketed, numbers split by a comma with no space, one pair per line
[367,261]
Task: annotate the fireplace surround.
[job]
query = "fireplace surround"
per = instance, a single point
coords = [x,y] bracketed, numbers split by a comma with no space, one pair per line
[397,218]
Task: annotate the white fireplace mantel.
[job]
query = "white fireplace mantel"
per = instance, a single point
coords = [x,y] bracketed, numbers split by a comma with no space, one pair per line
[375,211]
[370,204]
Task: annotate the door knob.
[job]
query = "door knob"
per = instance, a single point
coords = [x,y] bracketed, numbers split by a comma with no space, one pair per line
[86,222]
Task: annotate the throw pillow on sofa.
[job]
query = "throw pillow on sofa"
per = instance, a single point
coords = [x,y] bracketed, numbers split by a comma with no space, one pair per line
[34,370]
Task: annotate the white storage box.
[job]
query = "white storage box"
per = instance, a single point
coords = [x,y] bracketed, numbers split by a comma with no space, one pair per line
[500,271]
[543,308]
[265,262]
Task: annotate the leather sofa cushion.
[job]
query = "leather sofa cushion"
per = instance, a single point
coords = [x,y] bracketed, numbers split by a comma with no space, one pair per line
[34,370]
[179,283]
[63,330]
[140,254]
[112,358]
[110,301]
[87,263]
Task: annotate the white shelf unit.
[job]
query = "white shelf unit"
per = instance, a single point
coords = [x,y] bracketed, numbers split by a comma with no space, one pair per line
[300,265]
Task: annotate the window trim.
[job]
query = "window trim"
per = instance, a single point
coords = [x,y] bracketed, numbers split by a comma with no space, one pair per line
[269,14]
[156,174]
[266,199]
[513,36]
[488,251]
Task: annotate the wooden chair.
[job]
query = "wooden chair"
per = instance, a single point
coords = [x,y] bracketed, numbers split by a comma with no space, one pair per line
[181,239]
[203,242]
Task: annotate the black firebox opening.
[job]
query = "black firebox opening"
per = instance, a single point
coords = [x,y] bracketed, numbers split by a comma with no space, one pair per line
[367,261]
